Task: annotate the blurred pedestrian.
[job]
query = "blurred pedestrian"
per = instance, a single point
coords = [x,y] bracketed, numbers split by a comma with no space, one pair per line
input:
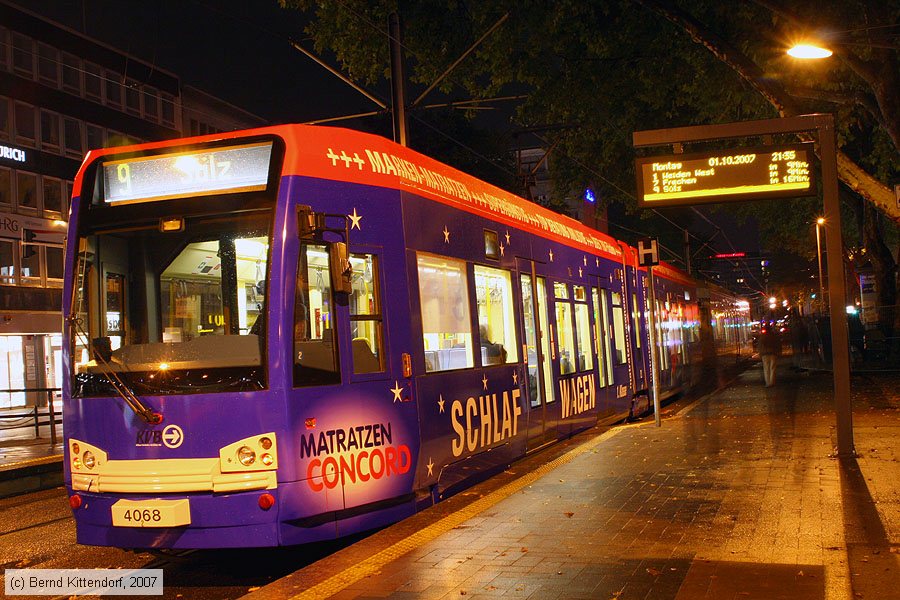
[769,350]
[799,338]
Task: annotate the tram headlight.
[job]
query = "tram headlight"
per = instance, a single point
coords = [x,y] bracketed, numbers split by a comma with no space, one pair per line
[254,453]
[86,456]
[246,455]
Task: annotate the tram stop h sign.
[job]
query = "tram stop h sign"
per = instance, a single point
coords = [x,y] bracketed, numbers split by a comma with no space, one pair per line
[713,187]
[648,252]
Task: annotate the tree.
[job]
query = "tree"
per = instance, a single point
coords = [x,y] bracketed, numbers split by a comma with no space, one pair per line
[605,69]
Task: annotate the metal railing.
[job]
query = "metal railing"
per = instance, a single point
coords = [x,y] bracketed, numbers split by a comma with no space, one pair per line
[33,413]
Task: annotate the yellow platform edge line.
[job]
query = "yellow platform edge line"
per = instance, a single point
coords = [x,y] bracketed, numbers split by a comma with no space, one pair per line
[374,563]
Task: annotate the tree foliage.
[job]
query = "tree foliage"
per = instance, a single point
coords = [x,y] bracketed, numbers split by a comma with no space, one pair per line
[594,72]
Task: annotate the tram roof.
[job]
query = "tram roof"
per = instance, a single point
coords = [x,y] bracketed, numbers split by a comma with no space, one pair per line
[341,154]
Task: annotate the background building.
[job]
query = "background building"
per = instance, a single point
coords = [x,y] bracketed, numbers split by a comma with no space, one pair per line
[61,94]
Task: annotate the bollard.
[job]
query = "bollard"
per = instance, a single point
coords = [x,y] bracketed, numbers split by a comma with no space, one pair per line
[37,425]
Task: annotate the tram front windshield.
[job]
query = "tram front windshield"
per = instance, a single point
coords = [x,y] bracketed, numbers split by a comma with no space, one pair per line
[172,312]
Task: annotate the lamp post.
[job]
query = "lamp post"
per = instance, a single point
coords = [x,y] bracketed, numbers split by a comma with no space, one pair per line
[819,222]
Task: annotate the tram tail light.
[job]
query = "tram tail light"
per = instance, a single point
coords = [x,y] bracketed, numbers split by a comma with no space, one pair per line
[255,453]
[75,501]
[266,501]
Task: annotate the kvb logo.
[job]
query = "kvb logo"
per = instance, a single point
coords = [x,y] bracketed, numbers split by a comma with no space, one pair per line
[170,437]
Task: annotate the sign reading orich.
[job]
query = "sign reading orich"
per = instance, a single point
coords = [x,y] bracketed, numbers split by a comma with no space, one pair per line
[11,153]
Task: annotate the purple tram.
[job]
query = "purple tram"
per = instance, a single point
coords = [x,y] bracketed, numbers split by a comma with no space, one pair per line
[293,333]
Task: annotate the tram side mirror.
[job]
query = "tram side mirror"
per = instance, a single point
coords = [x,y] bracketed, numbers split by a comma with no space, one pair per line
[341,270]
[309,222]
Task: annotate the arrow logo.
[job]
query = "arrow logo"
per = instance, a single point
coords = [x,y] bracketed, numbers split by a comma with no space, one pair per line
[172,436]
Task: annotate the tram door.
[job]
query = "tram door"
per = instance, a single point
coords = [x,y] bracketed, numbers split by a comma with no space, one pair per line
[539,383]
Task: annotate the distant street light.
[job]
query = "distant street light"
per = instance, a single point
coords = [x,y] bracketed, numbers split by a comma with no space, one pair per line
[809,51]
[819,222]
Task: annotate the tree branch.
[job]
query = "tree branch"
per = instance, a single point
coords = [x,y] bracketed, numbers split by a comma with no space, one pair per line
[863,100]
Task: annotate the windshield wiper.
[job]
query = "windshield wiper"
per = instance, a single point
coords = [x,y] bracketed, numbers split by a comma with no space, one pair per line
[121,388]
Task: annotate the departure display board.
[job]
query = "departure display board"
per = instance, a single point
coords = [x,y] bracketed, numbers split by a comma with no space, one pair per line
[726,175]
[217,170]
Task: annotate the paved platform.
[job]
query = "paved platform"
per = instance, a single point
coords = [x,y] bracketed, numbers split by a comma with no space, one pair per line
[29,463]
[734,497]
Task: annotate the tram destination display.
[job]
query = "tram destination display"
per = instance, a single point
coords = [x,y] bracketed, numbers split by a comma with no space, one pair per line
[216,170]
[725,175]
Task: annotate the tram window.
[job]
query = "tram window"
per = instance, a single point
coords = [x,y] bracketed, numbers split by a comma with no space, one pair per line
[583,350]
[663,324]
[565,334]
[529,321]
[315,346]
[544,321]
[635,321]
[618,328]
[113,324]
[496,324]
[192,299]
[446,324]
[491,244]
[173,309]
[601,335]
[365,315]
[560,291]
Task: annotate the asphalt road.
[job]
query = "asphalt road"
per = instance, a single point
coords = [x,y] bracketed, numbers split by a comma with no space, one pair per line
[37,531]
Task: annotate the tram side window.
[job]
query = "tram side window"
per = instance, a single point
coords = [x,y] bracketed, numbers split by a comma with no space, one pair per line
[446,324]
[636,321]
[565,334]
[365,315]
[315,346]
[584,351]
[601,325]
[618,328]
[496,325]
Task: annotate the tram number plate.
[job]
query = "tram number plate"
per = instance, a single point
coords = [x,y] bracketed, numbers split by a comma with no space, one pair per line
[151,513]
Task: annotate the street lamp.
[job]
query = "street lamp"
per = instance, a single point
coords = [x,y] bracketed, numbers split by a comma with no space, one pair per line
[819,222]
[809,51]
